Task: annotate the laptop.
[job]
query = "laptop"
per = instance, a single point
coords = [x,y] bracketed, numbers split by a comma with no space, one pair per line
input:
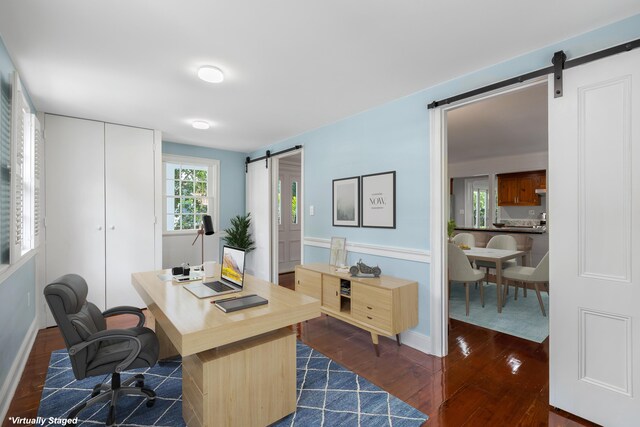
[231,278]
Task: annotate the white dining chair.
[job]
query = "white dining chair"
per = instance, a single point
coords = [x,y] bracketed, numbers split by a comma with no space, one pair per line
[536,275]
[461,271]
[464,239]
[500,241]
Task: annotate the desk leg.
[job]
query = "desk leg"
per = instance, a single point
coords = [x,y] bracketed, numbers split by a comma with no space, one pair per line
[374,339]
[499,284]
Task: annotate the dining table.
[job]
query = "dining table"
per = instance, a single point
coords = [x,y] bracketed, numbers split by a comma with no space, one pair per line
[497,256]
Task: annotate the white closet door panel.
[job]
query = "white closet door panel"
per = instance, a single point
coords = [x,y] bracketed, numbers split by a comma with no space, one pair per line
[74,188]
[258,187]
[130,213]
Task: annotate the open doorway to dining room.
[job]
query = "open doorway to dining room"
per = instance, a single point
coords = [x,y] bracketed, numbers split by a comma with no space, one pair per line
[497,156]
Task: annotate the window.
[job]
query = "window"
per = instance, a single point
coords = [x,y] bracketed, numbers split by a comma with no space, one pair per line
[479,203]
[22,179]
[190,191]
[294,202]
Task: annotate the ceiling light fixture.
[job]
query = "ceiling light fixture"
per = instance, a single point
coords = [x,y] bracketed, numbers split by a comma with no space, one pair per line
[210,74]
[200,124]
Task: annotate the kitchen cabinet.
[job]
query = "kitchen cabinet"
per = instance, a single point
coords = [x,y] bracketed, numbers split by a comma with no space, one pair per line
[519,189]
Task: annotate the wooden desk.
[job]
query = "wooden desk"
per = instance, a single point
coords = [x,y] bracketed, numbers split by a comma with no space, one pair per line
[382,305]
[497,256]
[239,368]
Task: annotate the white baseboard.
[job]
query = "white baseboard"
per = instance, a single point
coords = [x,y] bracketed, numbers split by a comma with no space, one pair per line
[407,254]
[416,340]
[11,384]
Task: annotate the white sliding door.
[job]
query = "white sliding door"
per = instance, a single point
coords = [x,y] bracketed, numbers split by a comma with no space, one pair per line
[258,204]
[130,214]
[594,205]
[75,238]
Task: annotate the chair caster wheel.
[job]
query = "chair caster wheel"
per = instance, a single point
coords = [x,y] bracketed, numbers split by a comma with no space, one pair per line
[150,403]
[140,384]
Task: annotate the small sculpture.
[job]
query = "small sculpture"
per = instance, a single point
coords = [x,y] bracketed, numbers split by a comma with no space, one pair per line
[363,269]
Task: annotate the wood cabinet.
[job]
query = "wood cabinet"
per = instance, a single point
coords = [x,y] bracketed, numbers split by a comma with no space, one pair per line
[519,189]
[103,217]
[382,306]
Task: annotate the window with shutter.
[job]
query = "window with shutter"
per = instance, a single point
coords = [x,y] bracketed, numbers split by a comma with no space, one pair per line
[5,173]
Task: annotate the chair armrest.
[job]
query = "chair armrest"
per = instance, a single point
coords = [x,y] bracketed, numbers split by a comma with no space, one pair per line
[113,334]
[125,309]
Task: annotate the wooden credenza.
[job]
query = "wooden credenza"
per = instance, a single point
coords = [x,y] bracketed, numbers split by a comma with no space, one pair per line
[382,306]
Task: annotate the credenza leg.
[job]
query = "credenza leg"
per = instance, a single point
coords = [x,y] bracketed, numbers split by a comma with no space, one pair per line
[398,339]
[374,338]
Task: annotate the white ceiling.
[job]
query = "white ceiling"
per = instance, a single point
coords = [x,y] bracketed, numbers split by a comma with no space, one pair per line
[291,65]
[509,124]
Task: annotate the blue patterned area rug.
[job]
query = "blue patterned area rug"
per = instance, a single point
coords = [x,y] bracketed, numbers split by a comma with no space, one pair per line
[521,318]
[328,395]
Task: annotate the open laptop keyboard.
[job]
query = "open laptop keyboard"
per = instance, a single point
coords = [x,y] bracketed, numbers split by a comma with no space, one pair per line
[218,286]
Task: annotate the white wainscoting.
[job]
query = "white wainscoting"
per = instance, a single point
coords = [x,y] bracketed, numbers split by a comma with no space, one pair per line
[407,254]
[17,367]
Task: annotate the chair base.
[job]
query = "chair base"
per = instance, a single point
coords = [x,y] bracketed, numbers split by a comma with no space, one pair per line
[105,392]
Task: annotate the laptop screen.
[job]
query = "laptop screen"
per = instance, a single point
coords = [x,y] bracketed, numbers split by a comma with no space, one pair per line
[233,265]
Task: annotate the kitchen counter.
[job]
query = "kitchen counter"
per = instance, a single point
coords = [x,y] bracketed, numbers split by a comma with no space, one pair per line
[509,230]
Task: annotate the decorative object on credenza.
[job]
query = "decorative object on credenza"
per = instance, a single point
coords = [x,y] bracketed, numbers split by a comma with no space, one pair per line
[363,270]
[338,250]
[238,235]
[346,202]
[379,200]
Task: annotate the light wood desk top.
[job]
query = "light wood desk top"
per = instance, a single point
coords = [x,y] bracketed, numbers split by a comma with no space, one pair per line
[194,325]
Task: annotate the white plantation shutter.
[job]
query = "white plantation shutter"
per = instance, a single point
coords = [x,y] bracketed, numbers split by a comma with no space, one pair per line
[37,177]
[22,173]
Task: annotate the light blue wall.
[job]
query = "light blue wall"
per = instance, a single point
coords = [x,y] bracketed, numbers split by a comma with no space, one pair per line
[395,136]
[15,316]
[232,176]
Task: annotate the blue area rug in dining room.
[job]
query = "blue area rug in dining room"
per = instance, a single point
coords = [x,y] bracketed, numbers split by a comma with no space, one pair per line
[328,395]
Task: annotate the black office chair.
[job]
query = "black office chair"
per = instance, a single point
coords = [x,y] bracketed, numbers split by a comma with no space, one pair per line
[94,350]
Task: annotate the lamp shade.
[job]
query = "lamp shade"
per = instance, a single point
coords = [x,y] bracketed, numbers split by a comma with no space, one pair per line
[207,223]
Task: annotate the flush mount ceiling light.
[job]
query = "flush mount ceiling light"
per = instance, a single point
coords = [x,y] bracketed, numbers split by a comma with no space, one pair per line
[211,74]
[199,124]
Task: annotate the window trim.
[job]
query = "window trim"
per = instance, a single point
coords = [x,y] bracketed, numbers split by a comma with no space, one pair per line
[198,161]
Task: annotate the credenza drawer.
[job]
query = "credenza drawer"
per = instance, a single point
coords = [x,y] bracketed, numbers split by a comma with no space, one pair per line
[371,296]
[309,282]
[379,319]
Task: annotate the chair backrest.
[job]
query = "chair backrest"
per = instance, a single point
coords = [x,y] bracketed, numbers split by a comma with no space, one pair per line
[460,269]
[541,272]
[503,241]
[465,238]
[76,317]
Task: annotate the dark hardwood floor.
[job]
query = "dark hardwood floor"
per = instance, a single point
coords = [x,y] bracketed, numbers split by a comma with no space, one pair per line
[488,378]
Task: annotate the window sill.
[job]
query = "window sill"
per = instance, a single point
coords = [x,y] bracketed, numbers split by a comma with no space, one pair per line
[7,270]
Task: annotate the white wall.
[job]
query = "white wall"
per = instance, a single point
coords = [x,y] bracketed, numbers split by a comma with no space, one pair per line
[177,249]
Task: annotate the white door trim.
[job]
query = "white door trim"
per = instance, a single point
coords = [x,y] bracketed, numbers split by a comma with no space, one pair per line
[275,168]
[439,210]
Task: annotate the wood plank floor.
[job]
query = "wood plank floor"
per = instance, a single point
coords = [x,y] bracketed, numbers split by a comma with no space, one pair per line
[488,379]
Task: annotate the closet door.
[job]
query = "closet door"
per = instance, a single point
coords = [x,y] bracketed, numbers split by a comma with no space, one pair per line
[130,213]
[75,235]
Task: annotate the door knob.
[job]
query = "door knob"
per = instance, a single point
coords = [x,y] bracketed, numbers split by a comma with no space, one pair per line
[99,228]
[113,227]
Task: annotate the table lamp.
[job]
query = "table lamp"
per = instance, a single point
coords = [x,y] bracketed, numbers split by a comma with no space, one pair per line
[206,229]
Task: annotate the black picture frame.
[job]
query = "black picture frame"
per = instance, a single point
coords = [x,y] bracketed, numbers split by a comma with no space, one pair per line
[345,205]
[378,200]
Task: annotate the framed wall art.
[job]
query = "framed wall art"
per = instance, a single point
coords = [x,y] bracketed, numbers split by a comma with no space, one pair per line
[346,206]
[338,250]
[379,200]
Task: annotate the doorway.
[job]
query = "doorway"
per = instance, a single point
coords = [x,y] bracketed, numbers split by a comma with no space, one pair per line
[288,214]
[471,168]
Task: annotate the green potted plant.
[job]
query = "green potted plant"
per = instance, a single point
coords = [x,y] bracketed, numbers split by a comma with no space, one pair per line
[451,226]
[238,235]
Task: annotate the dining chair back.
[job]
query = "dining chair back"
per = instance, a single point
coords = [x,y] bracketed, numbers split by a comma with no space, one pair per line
[535,275]
[461,271]
[465,239]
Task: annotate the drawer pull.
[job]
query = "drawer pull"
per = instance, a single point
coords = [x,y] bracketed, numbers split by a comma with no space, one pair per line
[370,308]
[369,317]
